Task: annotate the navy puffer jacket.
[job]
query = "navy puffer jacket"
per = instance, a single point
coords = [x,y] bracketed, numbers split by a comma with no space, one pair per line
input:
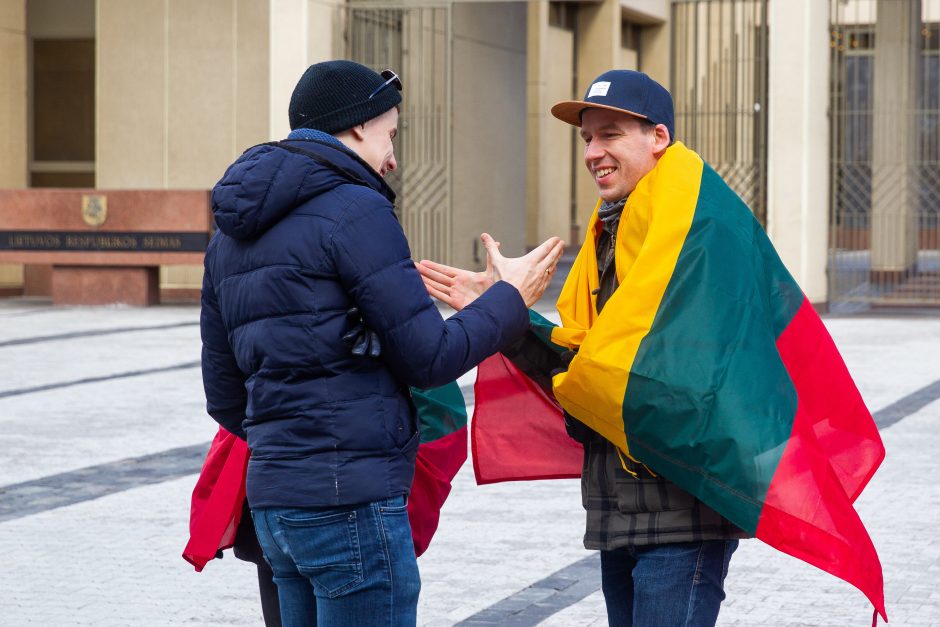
[302,238]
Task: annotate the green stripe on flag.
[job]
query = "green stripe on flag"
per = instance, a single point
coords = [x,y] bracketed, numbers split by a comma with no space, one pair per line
[441,411]
[542,328]
[708,402]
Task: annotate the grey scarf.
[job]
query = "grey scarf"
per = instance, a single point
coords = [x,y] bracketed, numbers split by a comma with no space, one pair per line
[609,213]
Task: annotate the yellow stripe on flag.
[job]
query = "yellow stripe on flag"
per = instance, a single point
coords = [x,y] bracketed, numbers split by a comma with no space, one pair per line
[652,230]
[577,303]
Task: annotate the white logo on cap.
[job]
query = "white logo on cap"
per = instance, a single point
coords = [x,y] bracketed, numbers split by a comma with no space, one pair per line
[599,89]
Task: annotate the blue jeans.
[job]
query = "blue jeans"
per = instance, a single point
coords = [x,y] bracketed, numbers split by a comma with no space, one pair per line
[666,585]
[350,565]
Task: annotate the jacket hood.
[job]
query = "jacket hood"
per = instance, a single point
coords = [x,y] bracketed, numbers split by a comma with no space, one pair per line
[269,180]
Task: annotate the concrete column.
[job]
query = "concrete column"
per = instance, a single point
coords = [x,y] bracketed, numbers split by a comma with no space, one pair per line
[13,119]
[655,53]
[182,89]
[536,114]
[201,105]
[13,94]
[130,94]
[252,37]
[798,141]
[322,30]
[288,59]
[200,93]
[550,65]
[598,50]
[489,128]
[894,184]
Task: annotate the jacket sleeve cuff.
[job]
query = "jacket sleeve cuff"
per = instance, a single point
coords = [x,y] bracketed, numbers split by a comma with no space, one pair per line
[504,303]
[231,420]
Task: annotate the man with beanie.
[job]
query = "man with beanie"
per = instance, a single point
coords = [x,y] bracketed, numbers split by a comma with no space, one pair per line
[664,553]
[306,233]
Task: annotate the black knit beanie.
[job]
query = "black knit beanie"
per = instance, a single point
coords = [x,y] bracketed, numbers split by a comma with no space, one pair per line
[334,96]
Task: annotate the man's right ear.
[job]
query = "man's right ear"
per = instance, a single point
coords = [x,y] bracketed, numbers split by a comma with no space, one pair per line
[662,139]
[359,131]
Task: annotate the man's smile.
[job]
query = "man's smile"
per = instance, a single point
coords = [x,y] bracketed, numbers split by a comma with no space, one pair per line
[603,172]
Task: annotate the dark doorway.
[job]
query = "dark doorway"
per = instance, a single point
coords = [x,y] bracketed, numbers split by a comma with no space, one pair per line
[63,113]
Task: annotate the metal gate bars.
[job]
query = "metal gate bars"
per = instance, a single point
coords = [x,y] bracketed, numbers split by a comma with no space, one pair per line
[415,41]
[885,154]
[719,84]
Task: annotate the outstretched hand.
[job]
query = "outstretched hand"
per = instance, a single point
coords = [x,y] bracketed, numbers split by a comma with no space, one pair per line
[530,274]
[452,286]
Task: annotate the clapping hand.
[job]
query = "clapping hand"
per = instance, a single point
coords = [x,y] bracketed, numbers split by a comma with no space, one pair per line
[530,274]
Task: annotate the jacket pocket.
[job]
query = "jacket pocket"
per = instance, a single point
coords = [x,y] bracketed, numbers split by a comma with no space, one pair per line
[326,549]
[402,421]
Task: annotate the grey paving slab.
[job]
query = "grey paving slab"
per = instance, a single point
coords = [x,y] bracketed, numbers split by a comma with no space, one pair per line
[70,428]
[114,559]
[544,598]
[888,357]
[48,387]
[94,333]
[22,317]
[907,405]
[83,356]
[92,482]
[900,508]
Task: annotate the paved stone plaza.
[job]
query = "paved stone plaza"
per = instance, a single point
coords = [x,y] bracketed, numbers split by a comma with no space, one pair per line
[103,429]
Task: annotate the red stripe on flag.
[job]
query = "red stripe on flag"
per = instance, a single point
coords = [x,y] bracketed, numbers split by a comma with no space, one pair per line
[436,466]
[220,493]
[833,451]
[518,432]
[216,507]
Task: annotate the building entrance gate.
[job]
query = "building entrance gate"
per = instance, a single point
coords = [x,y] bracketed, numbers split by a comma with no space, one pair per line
[416,42]
[885,154]
[719,83]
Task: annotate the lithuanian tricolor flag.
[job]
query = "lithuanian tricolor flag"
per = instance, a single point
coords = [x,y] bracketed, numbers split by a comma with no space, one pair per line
[709,366]
[442,417]
[219,493]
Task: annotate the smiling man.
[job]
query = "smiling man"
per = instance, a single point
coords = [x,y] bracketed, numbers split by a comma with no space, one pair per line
[619,150]
[664,553]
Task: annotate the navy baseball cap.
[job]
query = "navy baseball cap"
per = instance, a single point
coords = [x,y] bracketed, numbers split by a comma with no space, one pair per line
[633,93]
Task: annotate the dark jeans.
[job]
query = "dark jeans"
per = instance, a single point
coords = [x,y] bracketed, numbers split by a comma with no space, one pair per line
[666,585]
[342,566]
